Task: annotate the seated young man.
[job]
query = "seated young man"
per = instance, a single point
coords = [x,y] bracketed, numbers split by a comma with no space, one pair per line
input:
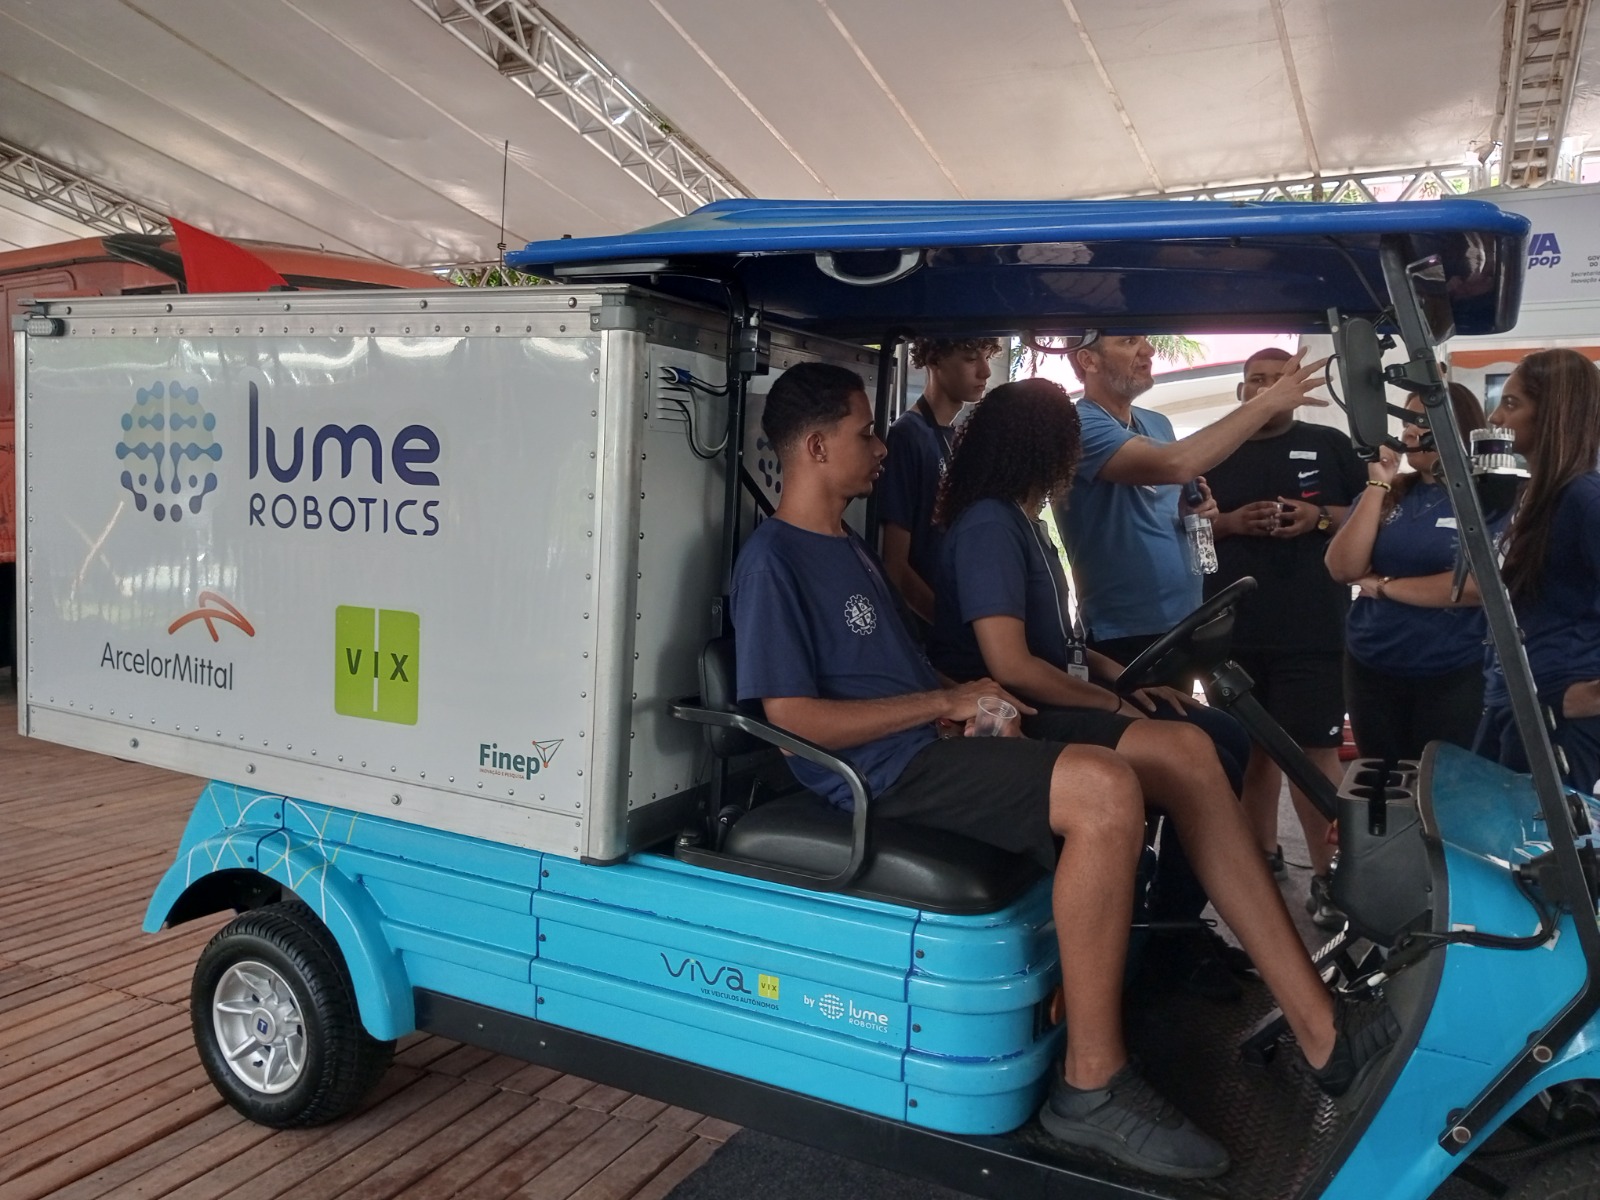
[820,645]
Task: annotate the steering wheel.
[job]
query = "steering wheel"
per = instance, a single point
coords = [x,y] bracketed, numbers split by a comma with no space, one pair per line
[1179,646]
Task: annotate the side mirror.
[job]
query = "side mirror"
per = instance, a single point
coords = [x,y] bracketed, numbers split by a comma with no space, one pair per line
[1355,341]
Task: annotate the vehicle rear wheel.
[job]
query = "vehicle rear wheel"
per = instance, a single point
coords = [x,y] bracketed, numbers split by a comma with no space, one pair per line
[1571,1175]
[275,1020]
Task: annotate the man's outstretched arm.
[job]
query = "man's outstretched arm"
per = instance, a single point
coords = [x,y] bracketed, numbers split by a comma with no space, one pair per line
[1142,461]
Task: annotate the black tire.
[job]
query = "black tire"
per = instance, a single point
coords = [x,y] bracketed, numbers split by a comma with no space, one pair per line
[281,980]
[1571,1175]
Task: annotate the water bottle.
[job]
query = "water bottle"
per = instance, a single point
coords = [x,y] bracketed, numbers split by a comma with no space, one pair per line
[1201,545]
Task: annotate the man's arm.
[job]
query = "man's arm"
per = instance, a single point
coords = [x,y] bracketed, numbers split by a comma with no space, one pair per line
[840,724]
[913,588]
[1142,461]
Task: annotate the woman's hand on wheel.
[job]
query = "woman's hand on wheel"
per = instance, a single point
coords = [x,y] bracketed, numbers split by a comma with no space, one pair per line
[1174,699]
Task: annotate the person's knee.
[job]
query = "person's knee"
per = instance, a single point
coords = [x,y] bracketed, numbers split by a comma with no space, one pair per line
[1095,793]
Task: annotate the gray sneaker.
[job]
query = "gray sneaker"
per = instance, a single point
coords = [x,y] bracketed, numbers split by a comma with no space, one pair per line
[1323,913]
[1129,1120]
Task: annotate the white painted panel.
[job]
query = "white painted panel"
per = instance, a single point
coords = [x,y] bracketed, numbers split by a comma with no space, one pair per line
[210,611]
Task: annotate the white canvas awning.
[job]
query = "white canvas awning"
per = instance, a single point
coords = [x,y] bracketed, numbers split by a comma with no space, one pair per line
[377,126]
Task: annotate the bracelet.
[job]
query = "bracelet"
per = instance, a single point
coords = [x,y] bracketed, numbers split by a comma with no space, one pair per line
[1379,483]
[1383,583]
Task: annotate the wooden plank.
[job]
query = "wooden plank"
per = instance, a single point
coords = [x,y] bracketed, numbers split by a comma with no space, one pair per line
[80,1081]
[30,1020]
[549,1147]
[194,1148]
[675,1172]
[85,1036]
[62,1130]
[337,1178]
[636,1165]
[281,1163]
[172,1114]
[432,1152]
[583,1162]
[464,1172]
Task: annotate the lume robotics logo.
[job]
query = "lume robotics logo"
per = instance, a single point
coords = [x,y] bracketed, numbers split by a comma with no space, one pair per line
[376,662]
[166,426]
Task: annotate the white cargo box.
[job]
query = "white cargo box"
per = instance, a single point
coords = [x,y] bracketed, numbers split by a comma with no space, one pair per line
[446,558]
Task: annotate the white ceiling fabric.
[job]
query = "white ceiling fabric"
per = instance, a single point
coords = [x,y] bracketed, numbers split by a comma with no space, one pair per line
[362,125]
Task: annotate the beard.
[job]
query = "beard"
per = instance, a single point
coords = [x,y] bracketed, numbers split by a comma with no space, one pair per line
[1126,384]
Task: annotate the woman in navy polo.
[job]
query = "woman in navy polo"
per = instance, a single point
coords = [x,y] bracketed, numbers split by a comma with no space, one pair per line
[1000,611]
[1413,668]
[1551,408]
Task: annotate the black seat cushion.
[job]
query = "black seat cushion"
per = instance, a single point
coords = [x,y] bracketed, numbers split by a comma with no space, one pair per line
[907,864]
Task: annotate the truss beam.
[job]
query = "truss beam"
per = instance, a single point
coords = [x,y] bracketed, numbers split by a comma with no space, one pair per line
[68,194]
[528,47]
[1539,75]
[1355,187]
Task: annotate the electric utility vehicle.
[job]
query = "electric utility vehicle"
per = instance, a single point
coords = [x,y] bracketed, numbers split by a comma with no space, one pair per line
[430,586]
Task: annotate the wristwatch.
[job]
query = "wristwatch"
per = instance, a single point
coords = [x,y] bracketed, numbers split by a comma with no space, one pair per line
[1324,519]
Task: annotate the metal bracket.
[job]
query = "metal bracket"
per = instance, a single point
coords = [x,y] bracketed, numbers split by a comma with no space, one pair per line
[615,312]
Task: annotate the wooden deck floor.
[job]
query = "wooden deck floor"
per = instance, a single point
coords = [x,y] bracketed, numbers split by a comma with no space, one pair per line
[102,1095]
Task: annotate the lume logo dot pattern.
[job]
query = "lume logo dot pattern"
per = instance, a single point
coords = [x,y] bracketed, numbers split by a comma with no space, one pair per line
[167,428]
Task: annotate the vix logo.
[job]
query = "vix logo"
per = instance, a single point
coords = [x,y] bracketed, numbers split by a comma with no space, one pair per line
[377,655]
[1543,250]
[166,426]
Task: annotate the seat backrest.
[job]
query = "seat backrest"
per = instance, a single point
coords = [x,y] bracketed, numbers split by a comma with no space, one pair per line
[719,690]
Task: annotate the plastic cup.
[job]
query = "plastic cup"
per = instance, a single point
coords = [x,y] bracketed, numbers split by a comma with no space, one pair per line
[994,716]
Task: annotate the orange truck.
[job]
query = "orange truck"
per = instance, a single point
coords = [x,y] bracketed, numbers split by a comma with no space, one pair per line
[127,264]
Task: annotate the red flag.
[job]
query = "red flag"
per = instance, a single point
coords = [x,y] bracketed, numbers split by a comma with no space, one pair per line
[213,264]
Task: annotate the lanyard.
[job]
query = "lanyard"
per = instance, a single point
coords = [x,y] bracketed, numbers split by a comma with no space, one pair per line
[944,432]
[1077,658]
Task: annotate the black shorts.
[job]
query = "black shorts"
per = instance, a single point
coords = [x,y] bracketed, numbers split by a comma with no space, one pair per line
[1303,690]
[993,790]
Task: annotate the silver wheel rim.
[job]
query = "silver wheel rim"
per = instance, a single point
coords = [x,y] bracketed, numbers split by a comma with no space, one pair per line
[259,1027]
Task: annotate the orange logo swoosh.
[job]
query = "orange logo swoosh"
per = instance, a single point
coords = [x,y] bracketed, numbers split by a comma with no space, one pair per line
[224,612]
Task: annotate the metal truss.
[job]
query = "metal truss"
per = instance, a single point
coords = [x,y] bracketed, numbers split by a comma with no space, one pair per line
[487,274]
[523,43]
[1356,187]
[68,194]
[1538,74]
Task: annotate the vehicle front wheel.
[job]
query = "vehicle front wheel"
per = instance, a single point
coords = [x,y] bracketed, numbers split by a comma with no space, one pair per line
[275,1020]
[1571,1175]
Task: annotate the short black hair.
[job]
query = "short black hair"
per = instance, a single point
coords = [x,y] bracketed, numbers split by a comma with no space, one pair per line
[807,396]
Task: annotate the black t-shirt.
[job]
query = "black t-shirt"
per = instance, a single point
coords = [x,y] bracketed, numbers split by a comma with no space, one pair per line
[1296,605]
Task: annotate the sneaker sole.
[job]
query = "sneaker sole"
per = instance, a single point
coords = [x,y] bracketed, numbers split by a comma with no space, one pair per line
[1089,1138]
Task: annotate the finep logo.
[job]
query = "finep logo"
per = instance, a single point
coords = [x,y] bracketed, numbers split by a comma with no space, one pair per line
[166,427]
[1543,250]
[377,655]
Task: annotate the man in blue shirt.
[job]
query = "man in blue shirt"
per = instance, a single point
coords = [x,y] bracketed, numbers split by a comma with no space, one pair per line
[920,444]
[820,645]
[1122,521]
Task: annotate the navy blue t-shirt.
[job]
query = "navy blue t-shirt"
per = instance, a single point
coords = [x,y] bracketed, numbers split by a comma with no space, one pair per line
[813,616]
[1562,627]
[908,489]
[1417,537]
[995,565]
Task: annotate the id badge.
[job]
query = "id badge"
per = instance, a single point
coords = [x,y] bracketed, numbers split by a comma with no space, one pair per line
[1078,662]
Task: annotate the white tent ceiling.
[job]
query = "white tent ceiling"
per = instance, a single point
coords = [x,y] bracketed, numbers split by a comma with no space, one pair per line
[370,126]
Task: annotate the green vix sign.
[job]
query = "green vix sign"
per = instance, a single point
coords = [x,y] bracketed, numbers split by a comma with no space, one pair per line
[376,658]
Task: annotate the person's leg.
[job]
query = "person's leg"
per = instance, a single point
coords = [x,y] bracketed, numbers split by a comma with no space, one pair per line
[1098,812]
[1263,783]
[1315,825]
[1380,712]
[1179,775]
[1450,707]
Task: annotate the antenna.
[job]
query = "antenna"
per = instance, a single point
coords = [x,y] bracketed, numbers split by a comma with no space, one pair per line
[505,164]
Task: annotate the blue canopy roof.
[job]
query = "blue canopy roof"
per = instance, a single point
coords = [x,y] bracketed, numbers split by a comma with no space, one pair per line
[864,268]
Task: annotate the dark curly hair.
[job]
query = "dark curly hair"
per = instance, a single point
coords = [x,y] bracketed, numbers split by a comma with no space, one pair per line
[928,352]
[1023,438]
